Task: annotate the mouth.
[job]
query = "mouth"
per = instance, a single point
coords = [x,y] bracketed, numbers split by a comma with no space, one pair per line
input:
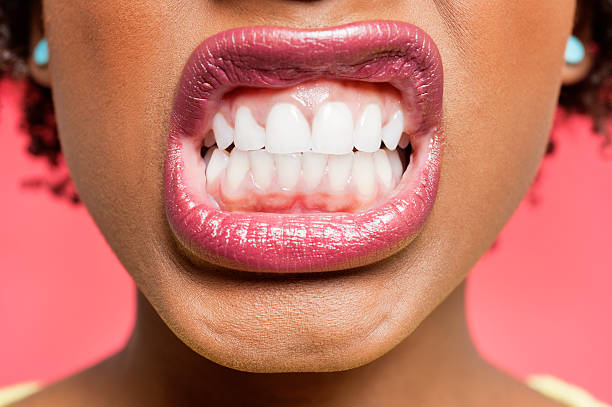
[297,151]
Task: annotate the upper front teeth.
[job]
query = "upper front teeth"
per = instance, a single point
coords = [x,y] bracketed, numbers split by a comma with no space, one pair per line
[249,135]
[392,132]
[224,133]
[333,130]
[368,130]
[287,130]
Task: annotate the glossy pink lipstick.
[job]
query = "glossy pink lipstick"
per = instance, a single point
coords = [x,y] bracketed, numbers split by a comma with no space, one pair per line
[396,53]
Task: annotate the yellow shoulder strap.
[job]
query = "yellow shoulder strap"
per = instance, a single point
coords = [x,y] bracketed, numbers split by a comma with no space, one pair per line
[12,394]
[563,392]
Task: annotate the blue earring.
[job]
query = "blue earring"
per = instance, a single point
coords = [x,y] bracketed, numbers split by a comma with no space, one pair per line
[574,52]
[41,53]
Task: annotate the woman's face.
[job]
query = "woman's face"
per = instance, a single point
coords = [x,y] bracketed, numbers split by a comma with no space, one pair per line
[116,68]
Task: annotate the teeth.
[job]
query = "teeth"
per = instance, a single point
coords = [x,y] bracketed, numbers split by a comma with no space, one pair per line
[224,133]
[288,170]
[287,130]
[237,168]
[368,129]
[249,135]
[217,163]
[383,168]
[363,174]
[262,168]
[396,163]
[392,132]
[332,129]
[339,170]
[279,155]
[313,168]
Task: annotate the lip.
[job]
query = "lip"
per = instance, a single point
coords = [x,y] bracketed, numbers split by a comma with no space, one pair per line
[274,57]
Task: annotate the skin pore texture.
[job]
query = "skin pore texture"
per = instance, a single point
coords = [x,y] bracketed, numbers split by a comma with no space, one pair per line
[389,333]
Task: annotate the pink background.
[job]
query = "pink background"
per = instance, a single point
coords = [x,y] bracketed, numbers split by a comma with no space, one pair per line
[539,302]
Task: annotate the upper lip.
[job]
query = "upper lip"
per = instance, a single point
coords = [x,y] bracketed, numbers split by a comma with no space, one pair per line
[375,51]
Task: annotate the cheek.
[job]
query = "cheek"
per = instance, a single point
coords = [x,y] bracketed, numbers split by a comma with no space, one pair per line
[502,87]
[115,66]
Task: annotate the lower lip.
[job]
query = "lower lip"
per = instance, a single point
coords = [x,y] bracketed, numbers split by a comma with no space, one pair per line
[301,243]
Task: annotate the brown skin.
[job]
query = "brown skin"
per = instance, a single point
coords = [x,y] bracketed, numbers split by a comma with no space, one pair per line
[114,68]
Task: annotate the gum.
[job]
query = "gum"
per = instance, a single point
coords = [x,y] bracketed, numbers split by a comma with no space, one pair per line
[309,96]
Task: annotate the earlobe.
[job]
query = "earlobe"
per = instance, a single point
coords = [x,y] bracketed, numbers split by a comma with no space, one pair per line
[579,58]
[38,61]
[41,53]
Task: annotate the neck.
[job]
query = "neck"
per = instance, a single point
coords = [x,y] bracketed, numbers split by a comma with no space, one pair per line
[438,355]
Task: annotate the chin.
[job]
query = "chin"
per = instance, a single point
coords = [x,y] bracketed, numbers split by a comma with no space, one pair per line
[295,324]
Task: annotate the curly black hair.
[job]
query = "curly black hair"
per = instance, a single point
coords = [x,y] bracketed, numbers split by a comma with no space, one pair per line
[592,96]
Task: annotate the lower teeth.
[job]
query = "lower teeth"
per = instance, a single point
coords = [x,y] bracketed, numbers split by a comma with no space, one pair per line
[302,182]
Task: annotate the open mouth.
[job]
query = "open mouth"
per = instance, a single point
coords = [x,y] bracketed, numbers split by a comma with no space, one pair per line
[305,150]
[322,146]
